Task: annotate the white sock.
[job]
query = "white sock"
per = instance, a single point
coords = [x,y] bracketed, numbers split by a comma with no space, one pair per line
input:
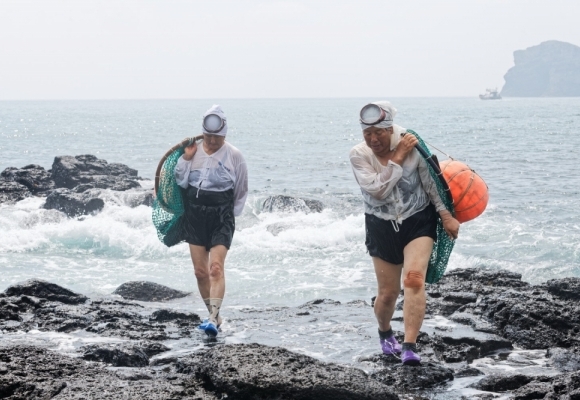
[214,314]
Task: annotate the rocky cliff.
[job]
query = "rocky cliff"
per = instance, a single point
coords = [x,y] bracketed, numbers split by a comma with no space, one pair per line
[550,69]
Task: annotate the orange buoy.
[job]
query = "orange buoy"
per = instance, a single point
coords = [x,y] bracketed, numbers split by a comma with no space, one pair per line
[468,190]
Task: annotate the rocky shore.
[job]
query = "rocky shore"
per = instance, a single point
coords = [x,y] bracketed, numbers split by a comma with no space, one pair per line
[76,185]
[493,319]
[487,334]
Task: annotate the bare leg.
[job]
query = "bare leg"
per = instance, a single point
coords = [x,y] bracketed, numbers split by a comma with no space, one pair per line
[217,278]
[416,255]
[200,259]
[389,282]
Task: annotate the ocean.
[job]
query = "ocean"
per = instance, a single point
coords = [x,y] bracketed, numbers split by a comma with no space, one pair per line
[525,150]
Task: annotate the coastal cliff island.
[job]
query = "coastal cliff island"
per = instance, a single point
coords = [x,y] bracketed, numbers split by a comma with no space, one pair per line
[550,69]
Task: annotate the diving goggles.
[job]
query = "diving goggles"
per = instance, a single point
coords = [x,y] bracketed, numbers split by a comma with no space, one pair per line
[372,114]
[213,123]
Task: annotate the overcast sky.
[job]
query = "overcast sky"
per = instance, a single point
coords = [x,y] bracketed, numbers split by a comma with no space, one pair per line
[124,49]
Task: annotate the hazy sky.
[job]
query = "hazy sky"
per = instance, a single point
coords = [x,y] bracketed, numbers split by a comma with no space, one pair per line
[124,49]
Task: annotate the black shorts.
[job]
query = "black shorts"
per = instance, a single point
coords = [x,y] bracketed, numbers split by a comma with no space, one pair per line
[209,218]
[384,242]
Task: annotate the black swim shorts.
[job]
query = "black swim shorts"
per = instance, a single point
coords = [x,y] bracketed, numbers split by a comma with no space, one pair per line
[209,218]
[384,242]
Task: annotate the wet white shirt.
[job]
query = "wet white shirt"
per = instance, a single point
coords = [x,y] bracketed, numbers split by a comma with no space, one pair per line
[394,192]
[223,170]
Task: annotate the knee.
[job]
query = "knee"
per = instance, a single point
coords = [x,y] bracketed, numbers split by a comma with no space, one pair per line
[387,297]
[414,280]
[216,270]
[201,274]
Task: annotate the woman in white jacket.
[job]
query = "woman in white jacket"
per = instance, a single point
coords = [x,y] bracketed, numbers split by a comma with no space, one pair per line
[401,205]
[215,177]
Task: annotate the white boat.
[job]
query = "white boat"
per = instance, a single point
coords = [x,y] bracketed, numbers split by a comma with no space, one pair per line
[490,94]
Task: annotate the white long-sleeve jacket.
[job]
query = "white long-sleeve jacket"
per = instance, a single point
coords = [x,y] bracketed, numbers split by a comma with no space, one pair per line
[223,170]
[394,192]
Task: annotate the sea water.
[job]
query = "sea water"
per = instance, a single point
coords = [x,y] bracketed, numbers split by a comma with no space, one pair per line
[526,150]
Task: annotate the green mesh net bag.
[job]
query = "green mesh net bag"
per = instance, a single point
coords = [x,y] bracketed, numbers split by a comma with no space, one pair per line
[168,206]
[443,245]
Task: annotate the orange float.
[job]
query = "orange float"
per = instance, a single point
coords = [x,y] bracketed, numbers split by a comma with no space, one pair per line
[468,190]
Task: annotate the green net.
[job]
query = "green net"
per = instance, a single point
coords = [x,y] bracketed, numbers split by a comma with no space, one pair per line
[443,245]
[168,207]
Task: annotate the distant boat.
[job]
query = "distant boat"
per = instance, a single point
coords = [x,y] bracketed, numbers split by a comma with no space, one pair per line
[490,94]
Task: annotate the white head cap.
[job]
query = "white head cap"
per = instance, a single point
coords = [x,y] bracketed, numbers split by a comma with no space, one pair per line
[214,121]
[388,121]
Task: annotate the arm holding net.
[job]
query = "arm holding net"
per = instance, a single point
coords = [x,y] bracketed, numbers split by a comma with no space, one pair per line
[443,246]
[168,206]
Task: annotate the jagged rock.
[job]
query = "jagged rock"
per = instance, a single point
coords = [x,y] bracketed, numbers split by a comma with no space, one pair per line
[117,356]
[566,360]
[124,354]
[467,349]
[502,383]
[12,192]
[33,373]
[90,172]
[526,315]
[291,204]
[566,288]
[171,315]
[467,371]
[253,371]
[73,204]
[148,291]
[45,290]
[407,378]
[34,177]
[533,390]
[551,68]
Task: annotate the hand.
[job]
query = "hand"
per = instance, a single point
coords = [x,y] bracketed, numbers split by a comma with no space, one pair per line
[189,151]
[405,146]
[450,224]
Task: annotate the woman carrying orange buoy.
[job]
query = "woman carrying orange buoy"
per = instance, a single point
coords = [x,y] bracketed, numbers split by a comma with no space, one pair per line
[401,203]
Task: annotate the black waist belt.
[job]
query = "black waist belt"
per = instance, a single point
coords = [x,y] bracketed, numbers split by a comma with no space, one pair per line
[208,198]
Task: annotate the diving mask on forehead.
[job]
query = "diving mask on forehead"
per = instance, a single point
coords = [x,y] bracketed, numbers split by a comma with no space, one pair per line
[213,123]
[372,114]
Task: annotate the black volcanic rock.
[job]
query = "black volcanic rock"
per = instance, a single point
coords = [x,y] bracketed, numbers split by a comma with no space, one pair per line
[34,177]
[291,204]
[45,290]
[88,172]
[123,355]
[74,204]
[253,371]
[12,192]
[529,316]
[566,288]
[33,373]
[501,383]
[550,69]
[148,291]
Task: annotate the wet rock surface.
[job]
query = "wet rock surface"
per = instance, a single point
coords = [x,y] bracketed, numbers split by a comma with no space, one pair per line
[34,177]
[12,192]
[147,291]
[76,186]
[138,348]
[46,291]
[255,371]
[87,170]
[291,204]
[531,317]
[73,204]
